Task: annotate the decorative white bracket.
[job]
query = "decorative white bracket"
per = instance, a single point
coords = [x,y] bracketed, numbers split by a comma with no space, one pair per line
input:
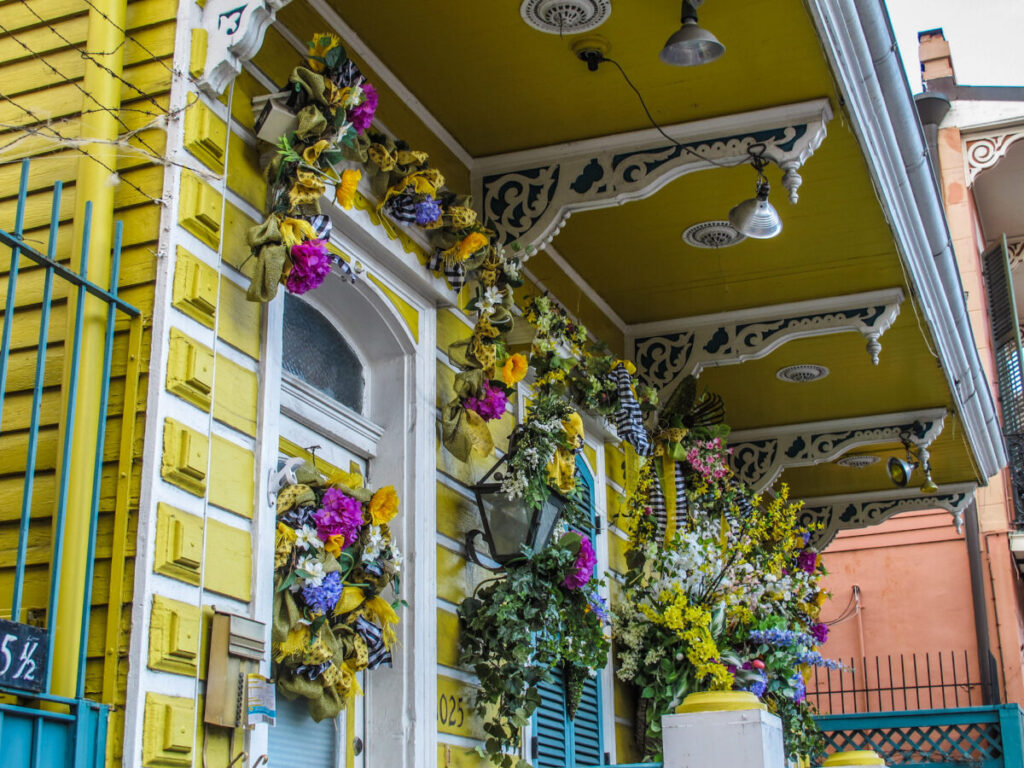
[985,152]
[859,510]
[1015,251]
[528,195]
[760,455]
[666,352]
[234,34]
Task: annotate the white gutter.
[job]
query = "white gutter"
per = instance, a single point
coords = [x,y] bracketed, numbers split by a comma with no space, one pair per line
[859,42]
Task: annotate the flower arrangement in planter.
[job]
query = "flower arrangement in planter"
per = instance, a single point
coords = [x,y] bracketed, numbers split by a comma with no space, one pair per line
[543,613]
[728,600]
[333,106]
[334,559]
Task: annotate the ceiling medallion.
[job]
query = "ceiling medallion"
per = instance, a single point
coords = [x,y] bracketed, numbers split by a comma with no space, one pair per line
[712,234]
[858,461]
[565,17]
[801,374]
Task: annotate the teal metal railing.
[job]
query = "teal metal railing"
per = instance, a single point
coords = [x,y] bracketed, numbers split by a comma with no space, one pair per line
[974,737]
[74,734]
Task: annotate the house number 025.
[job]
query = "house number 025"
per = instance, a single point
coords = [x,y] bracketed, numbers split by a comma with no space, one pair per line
[450,711]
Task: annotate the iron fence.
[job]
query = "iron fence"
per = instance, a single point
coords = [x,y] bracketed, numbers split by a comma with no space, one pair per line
[896,683]
[41,364]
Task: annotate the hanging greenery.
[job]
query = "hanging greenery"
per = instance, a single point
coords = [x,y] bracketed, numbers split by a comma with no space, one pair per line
[544,613]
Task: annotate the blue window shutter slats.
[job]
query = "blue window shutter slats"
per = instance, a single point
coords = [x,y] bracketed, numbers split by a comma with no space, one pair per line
[564,743]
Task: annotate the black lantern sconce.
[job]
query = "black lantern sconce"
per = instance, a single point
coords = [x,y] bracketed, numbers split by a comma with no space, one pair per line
[509,525]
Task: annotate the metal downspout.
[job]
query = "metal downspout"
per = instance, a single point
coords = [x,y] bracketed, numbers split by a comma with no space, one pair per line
[100,124]
[967,377]
[989,691]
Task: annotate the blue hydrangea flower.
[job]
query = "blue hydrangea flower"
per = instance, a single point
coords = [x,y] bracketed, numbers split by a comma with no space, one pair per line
[323,598]
[781,638]
[758,688]
[815,659]
[427,211]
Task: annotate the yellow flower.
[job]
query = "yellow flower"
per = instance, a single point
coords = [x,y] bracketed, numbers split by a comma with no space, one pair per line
[311,154]
[573,427]
[335,544]
[465,248]
[296,230]
[384,505]
[514,369]
[346,193]
[319,47]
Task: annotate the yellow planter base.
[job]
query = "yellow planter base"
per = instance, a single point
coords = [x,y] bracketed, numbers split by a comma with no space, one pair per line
[719,701]
[856,757]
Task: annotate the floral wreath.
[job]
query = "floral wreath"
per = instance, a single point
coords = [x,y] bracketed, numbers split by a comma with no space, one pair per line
[334,557]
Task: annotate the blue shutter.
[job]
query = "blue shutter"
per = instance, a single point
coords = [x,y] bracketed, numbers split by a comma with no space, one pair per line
[560,742]
[553,747]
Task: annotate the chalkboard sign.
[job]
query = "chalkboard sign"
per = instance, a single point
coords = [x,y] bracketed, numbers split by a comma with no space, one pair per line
[23,652]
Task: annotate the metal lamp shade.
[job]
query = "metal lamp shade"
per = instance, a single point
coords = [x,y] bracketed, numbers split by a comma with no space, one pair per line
[690,46]
[929,486]
[756,217]
[509,525]
[900,471]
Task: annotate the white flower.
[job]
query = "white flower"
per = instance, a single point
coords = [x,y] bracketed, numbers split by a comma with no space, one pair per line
[396,557]
[306,538]
[374,545]
[314,568]
[488,300]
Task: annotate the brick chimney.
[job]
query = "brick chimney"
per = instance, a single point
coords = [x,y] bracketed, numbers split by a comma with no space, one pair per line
[936,62]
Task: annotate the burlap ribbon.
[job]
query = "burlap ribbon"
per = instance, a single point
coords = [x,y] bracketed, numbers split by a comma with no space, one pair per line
[271,255]
[464,431]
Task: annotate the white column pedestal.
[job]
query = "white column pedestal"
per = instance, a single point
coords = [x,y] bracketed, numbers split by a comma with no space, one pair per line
[744,738]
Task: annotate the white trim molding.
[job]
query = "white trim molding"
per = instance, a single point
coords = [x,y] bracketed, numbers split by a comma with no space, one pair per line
[983,152]
[759,456]
[234,34]
[530,194]
[859,510]
[668,351]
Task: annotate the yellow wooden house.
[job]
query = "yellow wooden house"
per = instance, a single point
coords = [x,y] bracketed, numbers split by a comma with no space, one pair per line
[828,342]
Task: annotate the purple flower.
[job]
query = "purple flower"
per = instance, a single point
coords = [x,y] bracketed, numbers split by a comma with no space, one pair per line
[583,569]
[807,561]
[341,515]
[598,606]
[819,632]
[427,211]
[799,689]
[323,598]
[310,265]
[362,115]
[758,687]
[491,406]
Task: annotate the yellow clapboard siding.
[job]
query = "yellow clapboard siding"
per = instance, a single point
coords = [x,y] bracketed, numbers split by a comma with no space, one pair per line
[625,699]
[244,175]
[626,750]
[456,514]
[18,407]
[450,328]
[456,577]
[36,587]
[452,756]
[617,553]
[455,713]
[14,448]
[447,638]
[40,540]
[32,74]
[20,15]
[42,40]
[235,249]
[44,493]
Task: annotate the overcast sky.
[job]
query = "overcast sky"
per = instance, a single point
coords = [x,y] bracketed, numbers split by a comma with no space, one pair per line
[986,37]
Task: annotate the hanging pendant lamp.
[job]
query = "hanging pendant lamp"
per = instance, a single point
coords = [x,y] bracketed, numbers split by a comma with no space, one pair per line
[757,217]
[691,44]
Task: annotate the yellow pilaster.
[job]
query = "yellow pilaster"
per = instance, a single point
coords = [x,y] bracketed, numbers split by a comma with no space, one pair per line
[105,39]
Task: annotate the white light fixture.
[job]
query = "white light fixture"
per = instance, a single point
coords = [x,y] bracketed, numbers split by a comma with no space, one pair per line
[691,44]
[802,373]
[565,17]
[757,217]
